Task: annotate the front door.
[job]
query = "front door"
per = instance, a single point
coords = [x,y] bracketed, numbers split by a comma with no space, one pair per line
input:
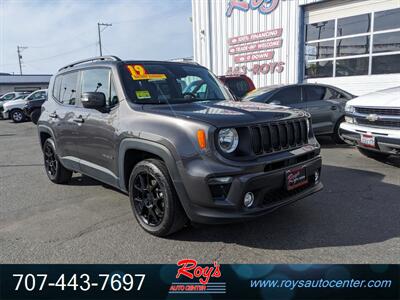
[97,143]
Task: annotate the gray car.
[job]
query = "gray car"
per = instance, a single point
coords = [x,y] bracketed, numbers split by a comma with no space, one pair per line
[181,156]
[325,103]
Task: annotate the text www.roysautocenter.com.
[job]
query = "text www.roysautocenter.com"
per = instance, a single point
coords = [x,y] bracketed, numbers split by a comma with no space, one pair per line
[319,283]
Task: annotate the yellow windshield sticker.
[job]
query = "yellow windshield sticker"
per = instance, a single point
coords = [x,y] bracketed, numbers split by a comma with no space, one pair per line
[138,72]
[143,94]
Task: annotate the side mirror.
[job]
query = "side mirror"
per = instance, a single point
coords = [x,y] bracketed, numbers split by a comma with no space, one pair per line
[93,100]
[275,102]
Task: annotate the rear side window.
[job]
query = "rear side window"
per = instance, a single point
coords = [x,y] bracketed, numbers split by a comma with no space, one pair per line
[57,87]
[238,86]
[314,93]
[68,88]
[291,95]
[99,80]
[65,88]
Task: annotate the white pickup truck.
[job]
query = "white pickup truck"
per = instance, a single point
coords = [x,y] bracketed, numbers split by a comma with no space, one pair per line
[372,123]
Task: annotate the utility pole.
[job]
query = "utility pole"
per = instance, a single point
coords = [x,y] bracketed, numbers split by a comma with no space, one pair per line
[19,51]
[98,29]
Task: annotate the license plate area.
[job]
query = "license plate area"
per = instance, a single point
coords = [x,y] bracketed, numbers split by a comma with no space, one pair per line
[296,178]
[367,140]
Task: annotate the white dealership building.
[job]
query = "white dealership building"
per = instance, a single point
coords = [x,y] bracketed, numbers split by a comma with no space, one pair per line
[352,44]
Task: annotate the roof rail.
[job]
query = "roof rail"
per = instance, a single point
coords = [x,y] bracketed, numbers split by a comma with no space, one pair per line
[97,58]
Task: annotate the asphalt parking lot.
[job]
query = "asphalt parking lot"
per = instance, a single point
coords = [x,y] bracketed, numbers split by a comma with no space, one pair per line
[355,219]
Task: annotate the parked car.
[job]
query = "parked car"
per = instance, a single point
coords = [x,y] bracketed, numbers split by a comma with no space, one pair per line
[373,123]
[14,109]
[239,85]
[33,108]
[131,125]
[8,97]
[325,103]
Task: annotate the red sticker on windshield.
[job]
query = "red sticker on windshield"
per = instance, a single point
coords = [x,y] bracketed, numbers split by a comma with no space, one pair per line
[138,72]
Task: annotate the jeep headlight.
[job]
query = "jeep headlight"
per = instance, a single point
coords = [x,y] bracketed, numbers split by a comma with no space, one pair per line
[349,109]
[228,140]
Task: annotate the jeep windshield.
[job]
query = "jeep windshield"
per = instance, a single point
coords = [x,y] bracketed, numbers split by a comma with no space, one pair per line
[166,83]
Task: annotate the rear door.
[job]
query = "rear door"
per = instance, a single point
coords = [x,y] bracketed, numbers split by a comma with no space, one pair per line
[62,118]
[322,111]
[97,144]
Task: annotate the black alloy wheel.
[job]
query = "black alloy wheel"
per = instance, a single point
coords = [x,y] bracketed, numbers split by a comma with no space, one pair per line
[149,198]
[50,160]
[56,172]
[154,201]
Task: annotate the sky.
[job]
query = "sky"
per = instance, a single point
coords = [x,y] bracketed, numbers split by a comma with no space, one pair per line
[58,32]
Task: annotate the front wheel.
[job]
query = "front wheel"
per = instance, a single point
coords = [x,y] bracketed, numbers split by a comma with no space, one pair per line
[336,136]
[35,115]
[17,115]
[154,201]
[373,154]
[56,172]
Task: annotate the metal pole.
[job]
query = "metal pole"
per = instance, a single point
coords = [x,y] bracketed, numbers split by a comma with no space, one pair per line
[19,50]
[19,60]
[98,29]
[99,32]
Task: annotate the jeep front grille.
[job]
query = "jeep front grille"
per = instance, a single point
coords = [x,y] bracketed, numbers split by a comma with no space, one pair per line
[267,138]
[378,111]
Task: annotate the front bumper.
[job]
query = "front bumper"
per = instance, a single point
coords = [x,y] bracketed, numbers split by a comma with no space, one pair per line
[5,115]
[386,140]
[269,188]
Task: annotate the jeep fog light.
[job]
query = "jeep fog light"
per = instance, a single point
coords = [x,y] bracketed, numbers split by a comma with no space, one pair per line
[248,199]
[316,177]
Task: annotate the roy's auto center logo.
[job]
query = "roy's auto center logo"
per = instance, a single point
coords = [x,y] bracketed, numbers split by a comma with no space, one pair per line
[194,279]
[264,6]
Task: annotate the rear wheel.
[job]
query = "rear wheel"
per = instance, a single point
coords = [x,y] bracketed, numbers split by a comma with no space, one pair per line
[35,115]
[154,201]
[336,136]
[54,169]
[373,154]
[17,115]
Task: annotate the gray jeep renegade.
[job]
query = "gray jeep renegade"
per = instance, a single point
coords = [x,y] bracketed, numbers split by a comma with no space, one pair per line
[181,154]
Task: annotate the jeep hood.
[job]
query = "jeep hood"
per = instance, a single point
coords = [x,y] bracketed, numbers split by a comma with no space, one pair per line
[226,113]
[384,98]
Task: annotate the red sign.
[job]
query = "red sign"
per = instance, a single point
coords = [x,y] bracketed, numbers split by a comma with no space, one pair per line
[253,57]
[256,47]
[248,38]
[190,269]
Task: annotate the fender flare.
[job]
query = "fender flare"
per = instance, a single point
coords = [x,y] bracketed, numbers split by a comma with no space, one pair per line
[45,129]
[157,149]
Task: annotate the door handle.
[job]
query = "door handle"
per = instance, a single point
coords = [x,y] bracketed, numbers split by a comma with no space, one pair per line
[333,107]
[53,115]
[79,120]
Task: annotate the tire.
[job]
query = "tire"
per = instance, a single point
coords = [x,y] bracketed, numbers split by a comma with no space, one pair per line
[56,172]
[373,154]
[335,136]
[17,115]
[35,115]
[159,211]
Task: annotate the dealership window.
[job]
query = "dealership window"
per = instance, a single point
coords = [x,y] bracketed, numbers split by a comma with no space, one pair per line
[363,44]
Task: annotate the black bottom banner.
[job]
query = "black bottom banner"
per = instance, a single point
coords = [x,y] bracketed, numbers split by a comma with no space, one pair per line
[189,280]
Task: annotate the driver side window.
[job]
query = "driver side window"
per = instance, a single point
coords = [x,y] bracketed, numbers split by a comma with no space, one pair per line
[99,80]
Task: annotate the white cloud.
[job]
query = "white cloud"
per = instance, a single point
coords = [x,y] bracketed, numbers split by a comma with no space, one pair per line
[59,32]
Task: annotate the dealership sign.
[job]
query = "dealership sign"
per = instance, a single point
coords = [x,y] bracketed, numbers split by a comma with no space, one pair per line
[256,47]
[263,6]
